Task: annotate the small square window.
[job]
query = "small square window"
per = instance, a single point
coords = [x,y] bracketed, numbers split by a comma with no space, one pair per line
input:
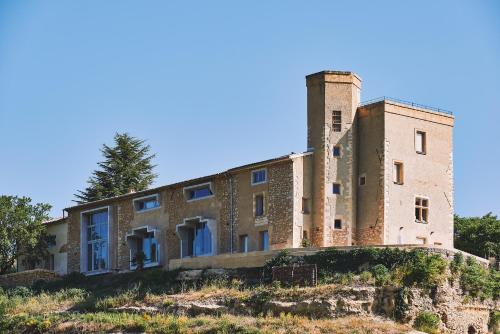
[337,224]
[259,176]
[362,180]
[336,151]
[336,188]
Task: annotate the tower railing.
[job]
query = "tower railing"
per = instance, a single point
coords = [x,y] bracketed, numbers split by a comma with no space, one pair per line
[408,103]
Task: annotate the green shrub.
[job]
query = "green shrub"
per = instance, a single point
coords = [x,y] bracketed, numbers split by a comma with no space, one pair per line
[475,280]
[425,269]
[381,274]
[427,322]
[366,277]
[494,323]
[457,263]
[20,291]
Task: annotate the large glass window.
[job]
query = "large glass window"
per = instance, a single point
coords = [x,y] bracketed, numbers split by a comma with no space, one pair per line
[143,240]
[97,240]
[202,244]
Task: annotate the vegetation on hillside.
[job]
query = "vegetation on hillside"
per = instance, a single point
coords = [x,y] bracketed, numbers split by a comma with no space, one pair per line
[79,303]
[478,235]
[22,234]
[127,166]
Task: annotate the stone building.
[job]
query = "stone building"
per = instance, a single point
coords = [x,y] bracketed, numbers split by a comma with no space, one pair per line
[373,174]
[57,258]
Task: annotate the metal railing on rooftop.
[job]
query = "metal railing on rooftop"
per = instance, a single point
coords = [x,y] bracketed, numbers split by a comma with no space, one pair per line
[408,103]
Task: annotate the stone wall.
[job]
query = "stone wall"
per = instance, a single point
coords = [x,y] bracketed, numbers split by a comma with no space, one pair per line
[27,278]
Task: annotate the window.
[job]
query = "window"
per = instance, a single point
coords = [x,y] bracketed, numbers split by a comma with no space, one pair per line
[259,176]
[305,205]
[146,203]
[143,240]
[336,121]
[398,172]
[51,241]
[202,243]
[420,142]
[337,224]
[362,180]
[259,205]
[50,262]
[336,151]
[197,237]
[96,226]
[421,210]
[264,240]
[197,192]
[421,241]
[243,243]
[336,188]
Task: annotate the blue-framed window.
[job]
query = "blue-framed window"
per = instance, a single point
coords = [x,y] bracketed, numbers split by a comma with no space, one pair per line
[147,203]
[202,243]
[264,240]
[259,176]
[198,192]
[97,241]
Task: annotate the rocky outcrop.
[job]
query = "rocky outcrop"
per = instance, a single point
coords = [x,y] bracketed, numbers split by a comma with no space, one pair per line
[365,301]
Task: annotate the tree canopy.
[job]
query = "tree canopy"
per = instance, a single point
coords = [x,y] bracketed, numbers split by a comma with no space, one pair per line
[478,235]
[127,166]
[22,234]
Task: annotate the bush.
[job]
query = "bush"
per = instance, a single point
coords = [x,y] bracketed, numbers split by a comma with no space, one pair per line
[20,291]
[427,322]
[381,274]
[366,277]
[475,280]
[424,269]
[457,263]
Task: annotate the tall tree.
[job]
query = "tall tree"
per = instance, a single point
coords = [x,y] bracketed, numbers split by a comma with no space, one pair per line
[478,235]
[21,231]
[126,167]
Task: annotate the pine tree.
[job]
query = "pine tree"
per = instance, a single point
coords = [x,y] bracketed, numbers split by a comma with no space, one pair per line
[126,167]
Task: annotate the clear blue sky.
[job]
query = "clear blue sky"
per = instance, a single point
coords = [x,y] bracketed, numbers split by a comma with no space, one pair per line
[215,84]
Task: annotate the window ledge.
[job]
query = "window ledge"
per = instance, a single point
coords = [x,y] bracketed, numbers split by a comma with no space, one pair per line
[97,272]
[261,221]
[149,265]
[399,183]
[257,183]
[147,210]
[421,153]
[421,222]
[199,199]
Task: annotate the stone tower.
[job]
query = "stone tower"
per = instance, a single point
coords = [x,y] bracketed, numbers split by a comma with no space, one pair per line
[332,100]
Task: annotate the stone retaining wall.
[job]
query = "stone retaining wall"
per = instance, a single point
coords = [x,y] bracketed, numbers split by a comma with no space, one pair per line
[27,278]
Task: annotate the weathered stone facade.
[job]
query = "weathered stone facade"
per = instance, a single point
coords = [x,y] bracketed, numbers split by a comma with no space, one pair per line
[288,202]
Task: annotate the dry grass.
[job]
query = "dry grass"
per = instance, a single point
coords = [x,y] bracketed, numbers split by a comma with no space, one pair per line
[284,324]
